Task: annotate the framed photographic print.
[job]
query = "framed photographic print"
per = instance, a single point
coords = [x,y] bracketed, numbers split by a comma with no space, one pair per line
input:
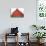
[41,8]
[17,12]
[41,12]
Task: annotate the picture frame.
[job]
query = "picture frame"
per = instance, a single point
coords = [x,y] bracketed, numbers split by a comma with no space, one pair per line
[17,12]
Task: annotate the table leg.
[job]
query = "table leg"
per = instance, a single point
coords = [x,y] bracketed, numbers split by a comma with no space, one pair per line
[5,40]
[17,39]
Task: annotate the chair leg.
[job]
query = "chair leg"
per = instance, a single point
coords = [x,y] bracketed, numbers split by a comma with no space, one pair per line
[17,39]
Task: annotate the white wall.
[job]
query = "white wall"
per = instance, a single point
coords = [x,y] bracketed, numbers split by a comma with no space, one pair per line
[24,24]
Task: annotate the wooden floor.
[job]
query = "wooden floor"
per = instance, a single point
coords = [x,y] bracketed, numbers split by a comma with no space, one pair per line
[13,44]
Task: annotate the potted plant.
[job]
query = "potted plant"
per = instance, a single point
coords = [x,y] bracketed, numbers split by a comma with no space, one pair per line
[39,36]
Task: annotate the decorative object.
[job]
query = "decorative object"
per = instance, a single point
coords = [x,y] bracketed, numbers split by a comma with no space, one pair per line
[14,30]
[17,12]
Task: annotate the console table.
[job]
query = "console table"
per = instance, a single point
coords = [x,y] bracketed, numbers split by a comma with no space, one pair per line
[27,43]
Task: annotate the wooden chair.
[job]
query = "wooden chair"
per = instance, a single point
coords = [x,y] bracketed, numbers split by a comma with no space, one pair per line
[8,34]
